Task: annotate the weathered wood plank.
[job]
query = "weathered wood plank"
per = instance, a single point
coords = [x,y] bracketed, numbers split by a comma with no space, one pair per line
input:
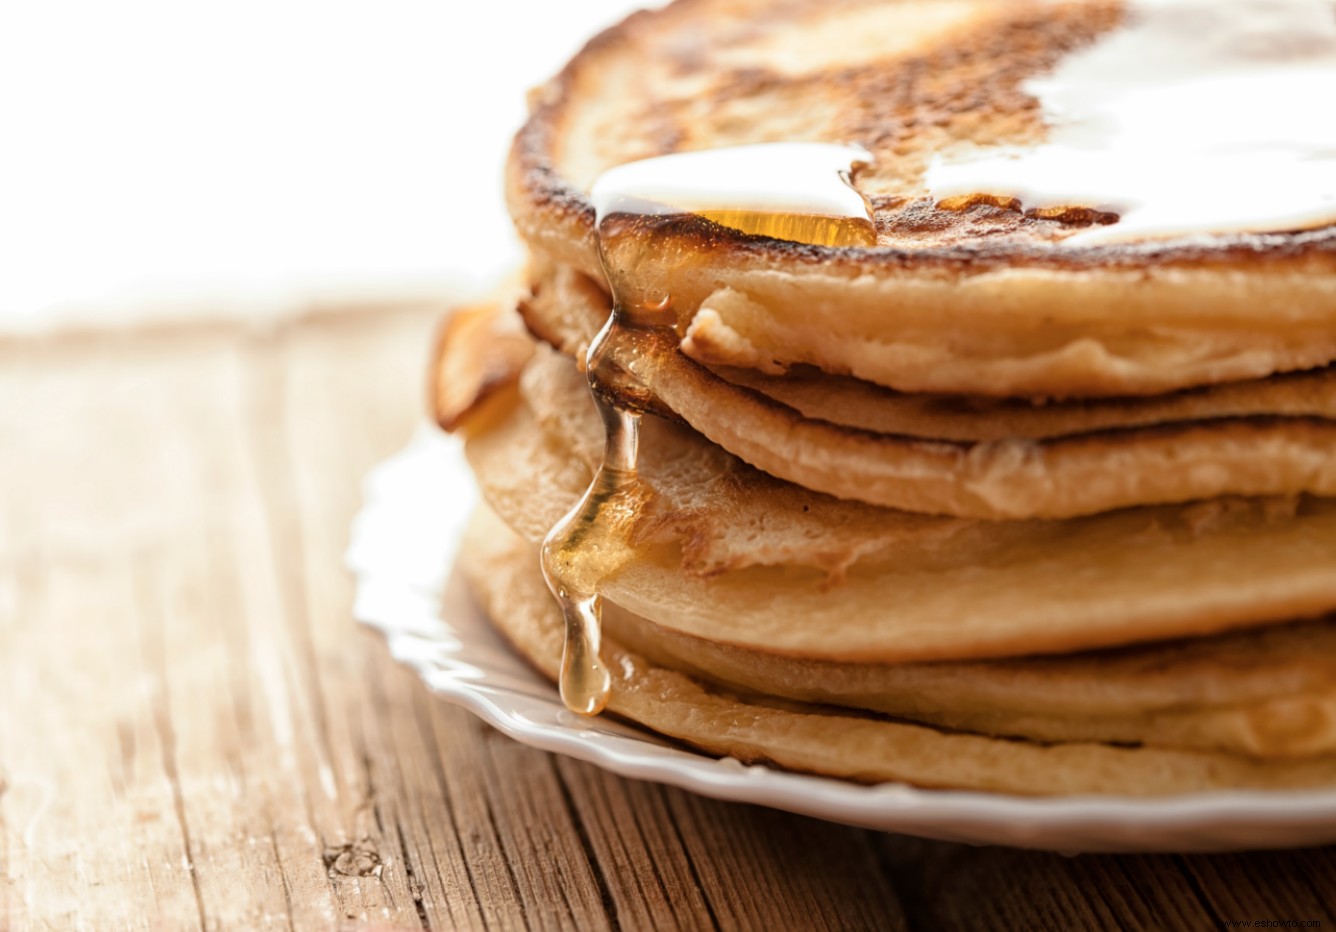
[985,888]
[631,832]
[91,758]
[412,796]
[509,794]
[1272,886]
[957,887]
[342,850]
[758,866]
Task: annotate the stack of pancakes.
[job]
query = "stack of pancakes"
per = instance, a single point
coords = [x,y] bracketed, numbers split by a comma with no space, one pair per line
[987,505]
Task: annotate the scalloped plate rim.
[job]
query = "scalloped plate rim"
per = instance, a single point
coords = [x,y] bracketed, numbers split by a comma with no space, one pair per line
[1215,821]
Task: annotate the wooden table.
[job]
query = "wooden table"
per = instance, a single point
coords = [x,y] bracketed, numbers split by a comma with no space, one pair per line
[195,734]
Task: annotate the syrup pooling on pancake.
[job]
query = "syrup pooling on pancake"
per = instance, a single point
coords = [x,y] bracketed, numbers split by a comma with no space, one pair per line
[1194,116]
[797,191]
[793,191]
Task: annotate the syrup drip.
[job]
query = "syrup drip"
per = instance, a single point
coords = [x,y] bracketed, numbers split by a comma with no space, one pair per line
[591,542]
[793,191]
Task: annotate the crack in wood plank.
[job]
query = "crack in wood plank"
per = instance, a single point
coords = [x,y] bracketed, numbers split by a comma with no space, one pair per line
[512,900]
[283,878]
[1202,900]
[604,888]
[695,877]
[413,883]
[151,645]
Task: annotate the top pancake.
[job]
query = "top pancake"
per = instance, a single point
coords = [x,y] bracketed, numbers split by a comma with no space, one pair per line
[985,300]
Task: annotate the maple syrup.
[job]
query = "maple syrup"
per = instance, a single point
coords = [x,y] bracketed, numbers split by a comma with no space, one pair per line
[793,191]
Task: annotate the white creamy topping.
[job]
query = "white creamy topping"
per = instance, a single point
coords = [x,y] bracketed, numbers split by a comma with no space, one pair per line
[798,178]
[1193,117]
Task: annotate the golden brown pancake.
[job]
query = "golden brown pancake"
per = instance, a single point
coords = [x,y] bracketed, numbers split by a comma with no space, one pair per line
[775,567]
[996,500]
[1245,438]
[841,743]
[1265,693]
[862,406]
[476,361]
[565,309]
[978,299]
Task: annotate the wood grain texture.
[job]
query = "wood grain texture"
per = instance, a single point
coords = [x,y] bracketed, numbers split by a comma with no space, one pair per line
[195,735]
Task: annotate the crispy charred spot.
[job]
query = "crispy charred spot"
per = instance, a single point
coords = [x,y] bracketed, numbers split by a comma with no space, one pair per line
[540,329]
[1073,216]
[479,355]
[966,201]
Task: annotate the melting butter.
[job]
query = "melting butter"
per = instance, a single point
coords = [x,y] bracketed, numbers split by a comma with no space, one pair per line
[1193,117]
[794,191]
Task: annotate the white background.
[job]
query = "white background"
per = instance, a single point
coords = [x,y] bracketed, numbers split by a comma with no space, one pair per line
[165,158]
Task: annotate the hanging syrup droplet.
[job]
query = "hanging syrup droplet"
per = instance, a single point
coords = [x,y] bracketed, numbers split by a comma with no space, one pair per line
[591,541]
[792,191]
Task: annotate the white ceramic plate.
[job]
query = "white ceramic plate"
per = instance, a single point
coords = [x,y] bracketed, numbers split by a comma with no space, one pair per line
[403,543]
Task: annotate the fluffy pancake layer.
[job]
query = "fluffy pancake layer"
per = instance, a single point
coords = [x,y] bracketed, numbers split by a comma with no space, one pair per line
[772,623]
[983,300]
[776,567]
[842,743]
[1270,437]
[1265,694]
[979,506]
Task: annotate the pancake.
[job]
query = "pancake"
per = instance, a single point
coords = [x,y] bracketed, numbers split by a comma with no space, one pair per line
[729,554]
[966,295]
[565,309]
[824,740]
[959,417]
[1265,694]
[862,406]
[476,361]
[1228,440]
